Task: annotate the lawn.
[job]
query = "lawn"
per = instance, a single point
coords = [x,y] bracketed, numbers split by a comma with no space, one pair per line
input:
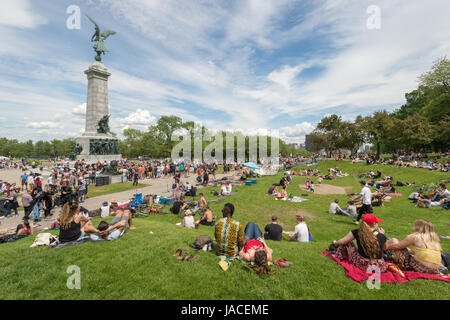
[96,191]
[140,265]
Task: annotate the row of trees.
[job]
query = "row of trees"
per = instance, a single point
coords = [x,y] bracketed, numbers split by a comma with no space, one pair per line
[39,149]
[156,142]
[421,124]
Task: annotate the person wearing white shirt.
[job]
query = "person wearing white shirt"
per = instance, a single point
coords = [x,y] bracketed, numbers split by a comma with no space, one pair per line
[366,200]
[301,232]
[229,188]
[223,190]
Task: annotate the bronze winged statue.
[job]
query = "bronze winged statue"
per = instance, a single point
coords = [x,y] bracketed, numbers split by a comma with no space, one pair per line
[99,37]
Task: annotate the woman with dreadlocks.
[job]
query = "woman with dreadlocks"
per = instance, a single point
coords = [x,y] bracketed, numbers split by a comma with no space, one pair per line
[70,220]
[370,240]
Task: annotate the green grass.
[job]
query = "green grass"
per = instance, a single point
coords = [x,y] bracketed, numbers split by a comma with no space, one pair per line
[141,266]
[95,191]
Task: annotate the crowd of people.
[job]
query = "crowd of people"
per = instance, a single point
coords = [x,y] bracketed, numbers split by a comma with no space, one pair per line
[68,187]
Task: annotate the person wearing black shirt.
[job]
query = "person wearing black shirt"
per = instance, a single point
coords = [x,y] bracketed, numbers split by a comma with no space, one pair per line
[370,240]
[272,189]
[47,201]
[178,206]
[273,230]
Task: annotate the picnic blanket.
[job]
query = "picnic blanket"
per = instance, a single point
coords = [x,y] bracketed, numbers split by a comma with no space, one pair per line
[72,243]
[358,275]
[398,194]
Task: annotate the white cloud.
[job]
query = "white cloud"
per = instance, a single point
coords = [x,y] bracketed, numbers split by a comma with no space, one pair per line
[298,129]
[80,110]
[18,13]
[138,118]
[45,125]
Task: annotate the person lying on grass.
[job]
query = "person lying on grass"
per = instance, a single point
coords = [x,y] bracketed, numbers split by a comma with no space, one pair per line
[441,192]
[73,225]
[25,229]
[301,232]
[206,219]
[425,202]
[255,248]
[110,231]
[419,251]
[370,240]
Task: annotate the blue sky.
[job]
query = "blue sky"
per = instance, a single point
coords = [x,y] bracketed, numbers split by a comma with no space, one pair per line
[234,64]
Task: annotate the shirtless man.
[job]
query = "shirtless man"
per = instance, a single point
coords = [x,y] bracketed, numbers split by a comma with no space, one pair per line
[206,219]
[202,203]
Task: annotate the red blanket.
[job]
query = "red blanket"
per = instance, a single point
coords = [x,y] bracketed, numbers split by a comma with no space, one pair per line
[388,276]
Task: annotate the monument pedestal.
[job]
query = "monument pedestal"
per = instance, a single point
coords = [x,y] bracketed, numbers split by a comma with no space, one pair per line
[97,144]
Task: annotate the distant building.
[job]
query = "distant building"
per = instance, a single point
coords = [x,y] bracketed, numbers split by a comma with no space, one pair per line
[309,146]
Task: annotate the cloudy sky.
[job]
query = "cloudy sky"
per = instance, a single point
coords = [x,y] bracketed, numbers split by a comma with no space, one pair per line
[230,64]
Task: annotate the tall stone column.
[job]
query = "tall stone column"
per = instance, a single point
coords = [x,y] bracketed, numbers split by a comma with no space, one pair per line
[95,146]
[97,96]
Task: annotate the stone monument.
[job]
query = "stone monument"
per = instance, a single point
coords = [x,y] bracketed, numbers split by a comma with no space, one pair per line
[97,143]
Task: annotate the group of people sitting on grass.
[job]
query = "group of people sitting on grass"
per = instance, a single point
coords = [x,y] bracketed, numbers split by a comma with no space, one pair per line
[76,226]
[249,243]
[419,251]
[440,197]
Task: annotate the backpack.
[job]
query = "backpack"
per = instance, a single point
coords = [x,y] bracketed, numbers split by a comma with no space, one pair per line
[200,242]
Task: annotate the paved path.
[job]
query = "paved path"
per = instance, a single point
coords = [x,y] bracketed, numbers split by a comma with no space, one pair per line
[156,186]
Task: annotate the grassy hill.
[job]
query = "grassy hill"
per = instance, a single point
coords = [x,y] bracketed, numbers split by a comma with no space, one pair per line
[140,265]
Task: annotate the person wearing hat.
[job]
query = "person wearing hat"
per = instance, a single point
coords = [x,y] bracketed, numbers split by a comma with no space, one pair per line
[273,231]
[188,220]
[370,240]
[114,206]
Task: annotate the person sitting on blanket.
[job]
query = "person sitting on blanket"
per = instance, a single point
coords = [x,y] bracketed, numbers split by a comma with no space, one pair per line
[71,228]
[272,190]
[255,248]
[425,253]
[301,232]
[370,239]
[206,219]
[282,195]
